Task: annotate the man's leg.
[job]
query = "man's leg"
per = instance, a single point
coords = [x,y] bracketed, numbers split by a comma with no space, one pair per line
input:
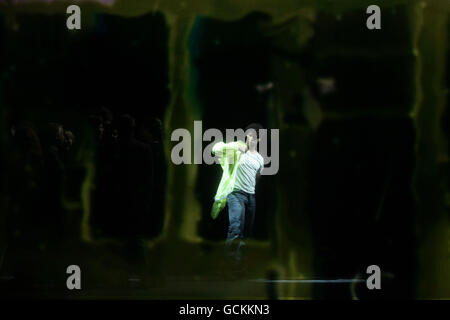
[250,216]
[236,215]
[247,222]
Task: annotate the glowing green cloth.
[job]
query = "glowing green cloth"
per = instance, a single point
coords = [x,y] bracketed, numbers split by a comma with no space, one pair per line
[229,158]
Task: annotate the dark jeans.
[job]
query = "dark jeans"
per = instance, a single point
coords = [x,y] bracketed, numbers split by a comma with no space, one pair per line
[241,213]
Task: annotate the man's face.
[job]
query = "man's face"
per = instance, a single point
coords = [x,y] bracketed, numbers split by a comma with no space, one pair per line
[251,139]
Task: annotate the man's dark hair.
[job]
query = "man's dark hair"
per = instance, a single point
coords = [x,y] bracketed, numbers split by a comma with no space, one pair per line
[255,126]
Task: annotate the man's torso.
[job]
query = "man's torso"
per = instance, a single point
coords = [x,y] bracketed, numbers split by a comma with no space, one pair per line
[250,164]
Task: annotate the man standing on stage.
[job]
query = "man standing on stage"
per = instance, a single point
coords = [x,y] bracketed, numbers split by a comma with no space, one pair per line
[242,166]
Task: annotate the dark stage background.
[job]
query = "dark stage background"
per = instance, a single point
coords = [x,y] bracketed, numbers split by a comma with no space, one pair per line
[363,120]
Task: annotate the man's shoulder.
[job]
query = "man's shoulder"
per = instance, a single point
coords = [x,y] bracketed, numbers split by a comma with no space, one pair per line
[260,157]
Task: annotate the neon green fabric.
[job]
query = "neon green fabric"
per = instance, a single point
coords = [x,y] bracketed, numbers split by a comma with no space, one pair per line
[229,156]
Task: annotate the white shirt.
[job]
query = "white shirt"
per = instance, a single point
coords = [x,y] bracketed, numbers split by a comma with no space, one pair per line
[249,165]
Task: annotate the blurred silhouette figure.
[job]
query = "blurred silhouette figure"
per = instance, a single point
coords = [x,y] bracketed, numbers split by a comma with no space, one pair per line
[152,133]
[24,179]
[23,183]
[107,119]
[134,171]
[69,139]
[68,142]
[54,178]
[96,123]
[104,203]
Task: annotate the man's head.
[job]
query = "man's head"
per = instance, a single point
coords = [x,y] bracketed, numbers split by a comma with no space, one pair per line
[252,134]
